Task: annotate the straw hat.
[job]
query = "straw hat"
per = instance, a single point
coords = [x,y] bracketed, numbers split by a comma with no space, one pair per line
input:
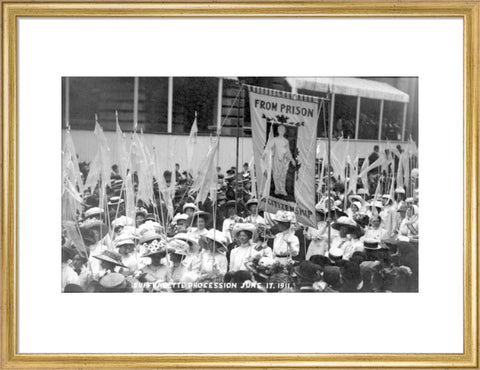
[178,247]
[252,201]
[371,244]
[113,280]
[335,253]
[110,256]
[192,242]
[123,221]
[115,201]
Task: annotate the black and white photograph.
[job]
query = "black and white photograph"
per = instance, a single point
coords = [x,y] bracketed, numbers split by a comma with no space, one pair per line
[240,184]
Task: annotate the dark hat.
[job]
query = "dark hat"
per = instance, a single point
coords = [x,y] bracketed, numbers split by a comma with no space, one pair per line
[141,211]
[112,257]
[332,276]
[345,221]
[115,201]
[320,260]
[230,203]
[252,201]
[371,244]
[308,271]
[351,274]
[73,288]
[150,217]
[361,219]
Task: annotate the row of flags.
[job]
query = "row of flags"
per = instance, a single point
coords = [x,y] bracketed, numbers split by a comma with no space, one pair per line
[133,155]
[391,160]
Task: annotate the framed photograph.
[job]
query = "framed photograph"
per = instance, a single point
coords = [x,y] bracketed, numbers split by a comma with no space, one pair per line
[239,185]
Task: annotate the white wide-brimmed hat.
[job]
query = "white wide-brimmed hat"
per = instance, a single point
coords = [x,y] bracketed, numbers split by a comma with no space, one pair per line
[243,227]
[284,216]
[180,217]
[123,221]
[194,247]
[94,211]
[178,246]
[124,239]
[217,236]
[190,205]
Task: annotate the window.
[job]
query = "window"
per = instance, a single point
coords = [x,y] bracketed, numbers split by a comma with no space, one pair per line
[153,104]
[101,96]
[345,114]
[194,94]
[369,117]
[392,120]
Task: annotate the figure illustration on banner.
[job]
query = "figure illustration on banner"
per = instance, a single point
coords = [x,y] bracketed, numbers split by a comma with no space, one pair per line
[281,146]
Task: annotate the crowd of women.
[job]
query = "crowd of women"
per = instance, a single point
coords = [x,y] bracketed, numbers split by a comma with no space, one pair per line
[362,243]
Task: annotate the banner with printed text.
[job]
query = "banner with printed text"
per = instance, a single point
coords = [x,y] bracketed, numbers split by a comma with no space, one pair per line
[284,132]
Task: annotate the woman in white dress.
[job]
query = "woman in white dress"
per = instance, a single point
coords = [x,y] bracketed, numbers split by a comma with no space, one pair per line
[409,225]
[242,254]
[213,260]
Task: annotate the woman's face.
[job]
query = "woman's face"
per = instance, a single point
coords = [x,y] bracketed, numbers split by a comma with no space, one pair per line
[343,231]
[375,222]
[139,220]
[176,258]
[253,209]
[281,130]
[156,259]
[354,208]
[243,237]
[231,211]
[410,212]
[125,249]
[77,262]
[200,223]
[107,265]
[189,212]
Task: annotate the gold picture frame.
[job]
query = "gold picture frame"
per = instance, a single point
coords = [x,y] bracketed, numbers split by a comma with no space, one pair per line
[467,10]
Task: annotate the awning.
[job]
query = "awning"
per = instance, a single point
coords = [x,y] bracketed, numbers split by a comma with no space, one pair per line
[349,86]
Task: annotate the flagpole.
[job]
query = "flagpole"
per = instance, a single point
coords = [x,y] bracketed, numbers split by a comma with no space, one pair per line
[329,179]
[237,153]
